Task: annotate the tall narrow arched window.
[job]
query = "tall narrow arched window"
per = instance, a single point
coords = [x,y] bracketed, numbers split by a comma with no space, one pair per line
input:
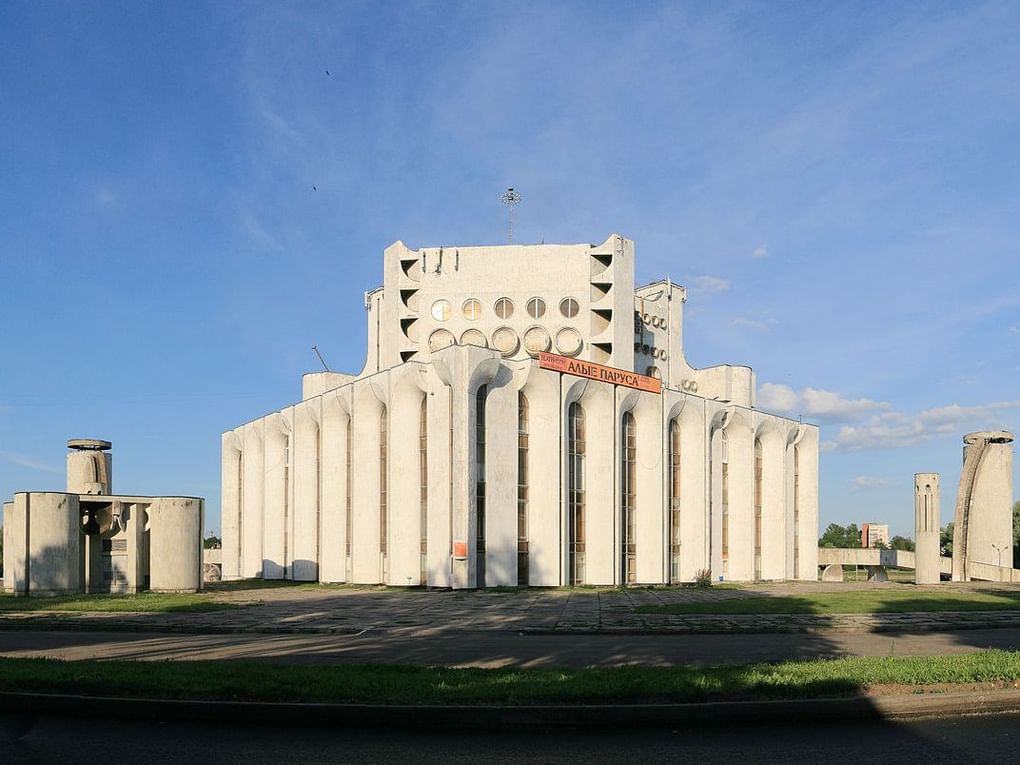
[757,507]
[796,512]
[724,492]
[628,499]
[575,493]
[522,489]
[423,485]
[480,396]
[349,504]
[383,472]
[674,500]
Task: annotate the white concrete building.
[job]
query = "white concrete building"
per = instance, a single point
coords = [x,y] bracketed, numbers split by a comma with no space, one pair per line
[524,416]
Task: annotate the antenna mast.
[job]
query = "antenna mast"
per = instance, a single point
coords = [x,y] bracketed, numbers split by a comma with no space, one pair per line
[510,198]
[321,360]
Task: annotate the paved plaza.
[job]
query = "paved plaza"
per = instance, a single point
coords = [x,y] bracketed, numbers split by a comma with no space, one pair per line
[351,610]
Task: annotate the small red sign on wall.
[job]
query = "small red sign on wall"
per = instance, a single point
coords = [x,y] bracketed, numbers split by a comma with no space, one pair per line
[460,550]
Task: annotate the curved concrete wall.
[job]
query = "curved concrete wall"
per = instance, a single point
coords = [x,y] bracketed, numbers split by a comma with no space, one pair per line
[175,544]
[54,543]
[89,472]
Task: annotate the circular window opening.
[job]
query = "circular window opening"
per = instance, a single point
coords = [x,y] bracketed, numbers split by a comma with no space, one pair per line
[440,339]
[654,372]
[505,341]
[473,337]
[472,309]
[569,307]
[536,308]
[441,310]
[504,308]
[568,341]
[536,340]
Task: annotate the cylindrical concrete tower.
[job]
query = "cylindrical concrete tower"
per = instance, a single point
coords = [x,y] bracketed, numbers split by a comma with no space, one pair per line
[175,544]
[927,517]
[89,466]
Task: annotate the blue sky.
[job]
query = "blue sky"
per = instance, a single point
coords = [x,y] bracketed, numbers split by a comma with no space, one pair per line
[189,202]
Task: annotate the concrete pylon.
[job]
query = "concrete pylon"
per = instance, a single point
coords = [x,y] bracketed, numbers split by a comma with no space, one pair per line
[983,523]
[927,517]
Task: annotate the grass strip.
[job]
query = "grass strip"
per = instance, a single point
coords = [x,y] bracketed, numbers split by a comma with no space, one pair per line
[872,601]
[183,602]
[383,684]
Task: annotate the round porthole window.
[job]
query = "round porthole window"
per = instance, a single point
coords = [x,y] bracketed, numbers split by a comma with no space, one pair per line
[504,308]
[536,308]
[537,340]
[473,337]
[569,308]
[505,341]
[441,310]
[440,339]
[568,341]
[472,309]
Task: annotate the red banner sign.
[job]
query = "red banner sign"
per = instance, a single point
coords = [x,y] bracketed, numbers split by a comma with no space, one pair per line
[598,372]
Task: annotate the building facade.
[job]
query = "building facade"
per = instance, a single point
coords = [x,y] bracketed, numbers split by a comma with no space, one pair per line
[525,416]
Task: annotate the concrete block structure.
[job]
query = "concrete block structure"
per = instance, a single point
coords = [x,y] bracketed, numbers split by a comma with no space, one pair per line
[89,540]
[525,416]
[927,525]
[983,523]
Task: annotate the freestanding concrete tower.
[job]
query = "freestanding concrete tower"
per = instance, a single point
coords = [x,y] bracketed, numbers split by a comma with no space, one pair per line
[87,539]
[926,528]
[983,524]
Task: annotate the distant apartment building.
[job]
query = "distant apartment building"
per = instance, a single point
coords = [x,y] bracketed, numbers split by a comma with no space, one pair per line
[875,534]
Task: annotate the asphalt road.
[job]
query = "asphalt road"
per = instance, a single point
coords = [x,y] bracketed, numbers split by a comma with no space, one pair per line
[50,739]
[496,648]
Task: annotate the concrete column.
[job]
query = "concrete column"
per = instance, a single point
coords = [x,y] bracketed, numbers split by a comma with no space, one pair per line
[651,502]
[501,481]
[440,467]
[927,519]
[333,545]
[808,501]
[741,470]
[230,503]
[274,527]
[253,468]
[175,552]
[773,515]
[694,553]
[601,450]
[983,528]
[404,545]
[369,404]
[305,477]
[546,446]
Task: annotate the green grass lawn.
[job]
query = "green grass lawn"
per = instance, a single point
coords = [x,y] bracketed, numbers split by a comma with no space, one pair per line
[186,602]
[375,684]
[871,601]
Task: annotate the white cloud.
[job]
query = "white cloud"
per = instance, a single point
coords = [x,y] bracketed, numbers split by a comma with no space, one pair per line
[1015,329]
[778,398]
[816,404]
[750,324]
[894,429]
[761,251]
[710,283]
[862,482]
[28,462]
